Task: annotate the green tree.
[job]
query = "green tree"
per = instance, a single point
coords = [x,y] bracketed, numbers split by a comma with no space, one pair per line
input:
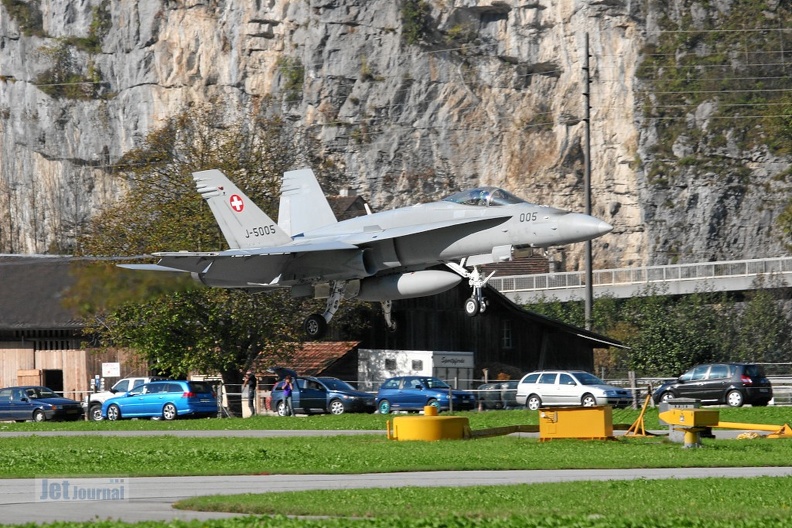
[193,328]
[678,332]
[764,331]
[206,330]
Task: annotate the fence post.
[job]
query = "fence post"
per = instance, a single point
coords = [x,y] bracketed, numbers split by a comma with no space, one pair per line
[633,388]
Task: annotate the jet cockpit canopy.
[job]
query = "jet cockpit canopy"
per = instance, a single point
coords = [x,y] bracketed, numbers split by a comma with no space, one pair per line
[484,197]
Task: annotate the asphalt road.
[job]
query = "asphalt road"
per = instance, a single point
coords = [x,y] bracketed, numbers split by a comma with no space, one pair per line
[150,498]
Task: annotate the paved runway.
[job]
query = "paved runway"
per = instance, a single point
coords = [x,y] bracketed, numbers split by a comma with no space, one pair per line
[150,498]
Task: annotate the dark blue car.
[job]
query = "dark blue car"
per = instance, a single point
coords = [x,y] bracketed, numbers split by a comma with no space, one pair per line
[413,393]
[323,394]
[163,399]
[37,404]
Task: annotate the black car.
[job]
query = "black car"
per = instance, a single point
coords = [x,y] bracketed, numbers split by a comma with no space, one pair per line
[734,384]
[37,404]
[323,394]
[498,395]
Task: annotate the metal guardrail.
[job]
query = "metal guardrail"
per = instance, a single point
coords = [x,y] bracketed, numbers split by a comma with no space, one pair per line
[647,275]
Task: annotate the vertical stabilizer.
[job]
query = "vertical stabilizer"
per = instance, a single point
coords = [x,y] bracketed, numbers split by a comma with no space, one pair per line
[243,224]
[303,205]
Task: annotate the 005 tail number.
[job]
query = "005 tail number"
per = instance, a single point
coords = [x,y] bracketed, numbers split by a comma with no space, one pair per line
[528,217]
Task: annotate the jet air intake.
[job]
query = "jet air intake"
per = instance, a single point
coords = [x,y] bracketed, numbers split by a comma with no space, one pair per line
[407,285]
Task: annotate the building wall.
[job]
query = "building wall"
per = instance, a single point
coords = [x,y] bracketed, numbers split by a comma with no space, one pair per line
[67,370]
[503,334]
[14,356]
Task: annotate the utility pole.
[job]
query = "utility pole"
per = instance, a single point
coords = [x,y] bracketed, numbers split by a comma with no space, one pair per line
[587,178]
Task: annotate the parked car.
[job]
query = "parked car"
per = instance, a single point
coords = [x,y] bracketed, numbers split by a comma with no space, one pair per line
[37,404]
[122,386]
[734,384]
[163,399]
[568,387]
[323,394]
[498,395]
[413,393]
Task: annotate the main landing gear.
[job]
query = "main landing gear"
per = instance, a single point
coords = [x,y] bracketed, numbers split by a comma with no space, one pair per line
[315,325]
[477,303]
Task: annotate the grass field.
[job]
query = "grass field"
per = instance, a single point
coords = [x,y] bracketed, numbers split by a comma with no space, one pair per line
[713,503]
[376,422]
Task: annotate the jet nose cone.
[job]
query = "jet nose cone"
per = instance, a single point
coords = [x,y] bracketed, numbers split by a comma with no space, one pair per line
[602,227]
[577,227]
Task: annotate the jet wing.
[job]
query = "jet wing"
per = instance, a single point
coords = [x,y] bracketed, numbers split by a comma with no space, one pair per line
[372,235]
[199,261]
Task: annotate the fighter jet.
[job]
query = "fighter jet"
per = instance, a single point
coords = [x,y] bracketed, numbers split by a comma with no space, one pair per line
[382,257]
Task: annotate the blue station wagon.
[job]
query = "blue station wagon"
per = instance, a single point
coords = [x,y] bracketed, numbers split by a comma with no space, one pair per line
[163,399]
[413,393]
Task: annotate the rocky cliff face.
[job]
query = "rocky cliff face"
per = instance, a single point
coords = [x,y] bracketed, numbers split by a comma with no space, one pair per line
[411,100]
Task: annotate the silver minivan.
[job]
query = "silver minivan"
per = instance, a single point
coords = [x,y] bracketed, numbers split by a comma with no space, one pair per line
[570,388]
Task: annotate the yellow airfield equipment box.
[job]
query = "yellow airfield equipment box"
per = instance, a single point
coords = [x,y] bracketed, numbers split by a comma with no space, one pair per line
[590,423]
[689,418]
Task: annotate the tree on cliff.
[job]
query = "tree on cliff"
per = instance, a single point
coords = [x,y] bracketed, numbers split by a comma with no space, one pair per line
[180,326]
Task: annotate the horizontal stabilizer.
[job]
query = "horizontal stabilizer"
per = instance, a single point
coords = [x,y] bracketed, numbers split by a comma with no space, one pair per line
[149,267]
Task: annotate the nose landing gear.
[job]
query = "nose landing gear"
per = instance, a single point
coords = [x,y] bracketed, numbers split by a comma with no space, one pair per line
[477,303]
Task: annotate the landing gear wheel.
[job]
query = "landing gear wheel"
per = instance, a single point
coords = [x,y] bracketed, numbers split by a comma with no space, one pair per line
[472,307]
[315,326]
[483,303]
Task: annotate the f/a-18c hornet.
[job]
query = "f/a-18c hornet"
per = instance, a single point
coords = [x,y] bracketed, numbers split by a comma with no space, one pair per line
[380,257]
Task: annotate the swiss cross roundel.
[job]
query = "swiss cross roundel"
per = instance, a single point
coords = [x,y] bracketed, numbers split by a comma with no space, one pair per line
[236,203]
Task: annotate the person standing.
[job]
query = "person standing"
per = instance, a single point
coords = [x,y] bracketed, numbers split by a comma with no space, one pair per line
[250,383]
[288,388]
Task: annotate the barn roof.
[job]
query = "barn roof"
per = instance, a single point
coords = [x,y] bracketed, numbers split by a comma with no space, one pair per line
[32,291]
[314,358]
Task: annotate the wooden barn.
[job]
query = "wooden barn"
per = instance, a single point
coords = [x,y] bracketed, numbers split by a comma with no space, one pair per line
[41,340]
